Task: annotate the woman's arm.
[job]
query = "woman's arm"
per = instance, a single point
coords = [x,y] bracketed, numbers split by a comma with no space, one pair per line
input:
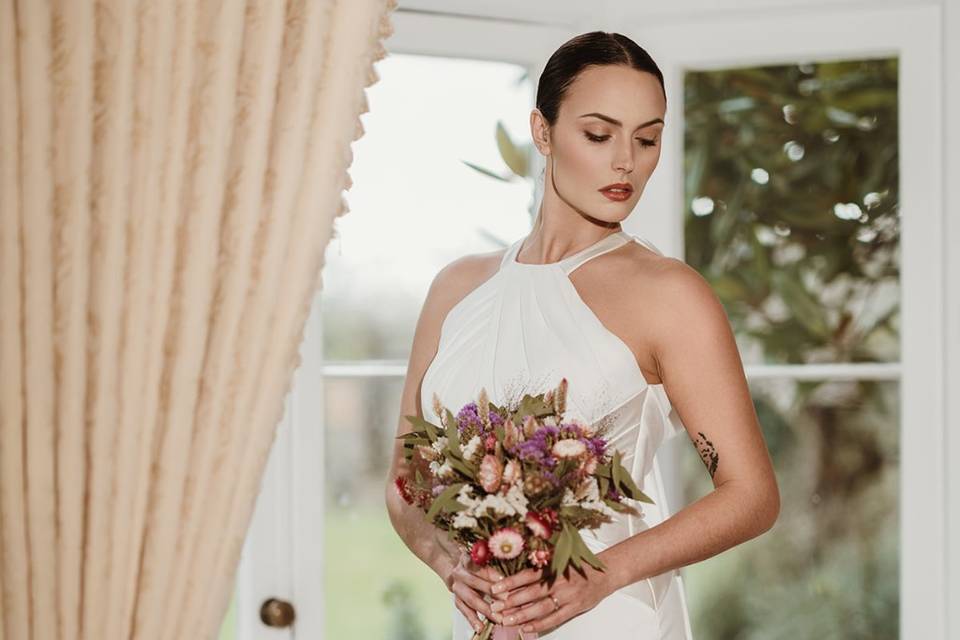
[702,373]
[421,537]
[424,540]
[703,376]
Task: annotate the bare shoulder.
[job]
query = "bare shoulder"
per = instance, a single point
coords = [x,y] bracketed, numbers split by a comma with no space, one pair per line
[663,299]
[461,276]
[674,297]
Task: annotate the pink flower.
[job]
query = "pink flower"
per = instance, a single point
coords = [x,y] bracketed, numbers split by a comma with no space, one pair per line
[589,465]
[539,525]
[539,557]
[506,543]
[490,443]
[491,472]
[550,516]
[511,434]
[480,553]
[511,473]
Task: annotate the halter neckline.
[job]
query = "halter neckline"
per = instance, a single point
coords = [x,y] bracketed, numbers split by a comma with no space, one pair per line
[609,241]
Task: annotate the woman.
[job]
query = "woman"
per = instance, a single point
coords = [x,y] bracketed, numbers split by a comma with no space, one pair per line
[641,338]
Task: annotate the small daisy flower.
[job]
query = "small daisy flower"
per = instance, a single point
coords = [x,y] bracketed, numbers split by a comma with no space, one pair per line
[506,544]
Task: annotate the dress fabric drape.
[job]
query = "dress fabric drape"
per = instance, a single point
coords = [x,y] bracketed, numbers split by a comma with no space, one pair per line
[521,331]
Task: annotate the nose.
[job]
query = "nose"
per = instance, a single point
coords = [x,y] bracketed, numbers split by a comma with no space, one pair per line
[623,161]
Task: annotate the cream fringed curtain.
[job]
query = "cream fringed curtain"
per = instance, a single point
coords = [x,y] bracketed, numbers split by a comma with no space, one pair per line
[169,176]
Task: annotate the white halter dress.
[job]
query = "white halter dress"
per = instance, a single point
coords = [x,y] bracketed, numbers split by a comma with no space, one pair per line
[523,330]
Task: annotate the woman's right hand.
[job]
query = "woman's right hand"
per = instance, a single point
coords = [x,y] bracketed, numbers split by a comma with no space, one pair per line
[470,584]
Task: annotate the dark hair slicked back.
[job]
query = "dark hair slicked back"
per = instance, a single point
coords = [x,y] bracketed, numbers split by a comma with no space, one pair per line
[594,48]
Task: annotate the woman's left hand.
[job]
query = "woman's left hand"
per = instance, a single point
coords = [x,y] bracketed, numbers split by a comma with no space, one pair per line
[523,600]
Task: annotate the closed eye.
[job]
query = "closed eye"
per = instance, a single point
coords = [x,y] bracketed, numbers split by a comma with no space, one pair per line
[643,141]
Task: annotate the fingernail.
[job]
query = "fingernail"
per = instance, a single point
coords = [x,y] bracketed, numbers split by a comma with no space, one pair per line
[495,588]
[528,627]
[497,606]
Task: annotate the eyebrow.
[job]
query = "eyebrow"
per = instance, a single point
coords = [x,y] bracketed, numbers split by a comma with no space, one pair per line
[618,123]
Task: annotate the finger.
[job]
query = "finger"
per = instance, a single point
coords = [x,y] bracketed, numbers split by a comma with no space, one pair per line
[469,614]
[534,611]
[520,596]
[474,581]
[548,621]
[521,579]
[490,574]
[473,599]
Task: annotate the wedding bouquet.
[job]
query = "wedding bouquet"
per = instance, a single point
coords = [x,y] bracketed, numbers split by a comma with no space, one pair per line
[513,485]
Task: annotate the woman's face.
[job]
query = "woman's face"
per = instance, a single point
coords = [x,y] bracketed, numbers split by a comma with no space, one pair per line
[608,130]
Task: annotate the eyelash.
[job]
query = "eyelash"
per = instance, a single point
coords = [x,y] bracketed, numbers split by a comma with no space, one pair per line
[644,142]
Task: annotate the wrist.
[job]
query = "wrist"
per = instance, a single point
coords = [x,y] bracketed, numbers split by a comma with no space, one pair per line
[612,577]
[443,564]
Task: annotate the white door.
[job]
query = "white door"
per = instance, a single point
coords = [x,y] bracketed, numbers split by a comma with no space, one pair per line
[278,585]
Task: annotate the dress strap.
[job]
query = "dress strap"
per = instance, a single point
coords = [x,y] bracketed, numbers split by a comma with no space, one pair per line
[508,255]
[605,244]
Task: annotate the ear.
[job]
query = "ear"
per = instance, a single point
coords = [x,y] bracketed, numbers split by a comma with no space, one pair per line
[540,132]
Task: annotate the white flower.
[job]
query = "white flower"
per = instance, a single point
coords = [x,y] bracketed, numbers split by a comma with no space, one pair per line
[516,499]
[587,496]
[445,471]
[440,444]
[463,520]
[500,505]
[601,506]
[472,447]
[434,467]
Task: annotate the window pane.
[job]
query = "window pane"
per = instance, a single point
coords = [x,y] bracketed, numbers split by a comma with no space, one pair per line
[792,206]
[429,117]
[409,214]
[829,568]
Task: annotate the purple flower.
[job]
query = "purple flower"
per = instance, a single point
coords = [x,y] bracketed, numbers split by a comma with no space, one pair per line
[596,445]
[469,416]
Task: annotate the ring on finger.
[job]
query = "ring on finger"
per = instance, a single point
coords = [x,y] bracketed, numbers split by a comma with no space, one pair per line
[556,604]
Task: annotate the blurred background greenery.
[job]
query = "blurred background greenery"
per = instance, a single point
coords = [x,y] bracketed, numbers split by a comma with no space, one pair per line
[792,215]
[791,181]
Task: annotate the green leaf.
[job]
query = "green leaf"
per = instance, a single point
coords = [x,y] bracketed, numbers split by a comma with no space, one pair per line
[448,494]
[461,466]
[514,157]
[453,436]
[585,553]
[561,553]
[431,429]
[486,172]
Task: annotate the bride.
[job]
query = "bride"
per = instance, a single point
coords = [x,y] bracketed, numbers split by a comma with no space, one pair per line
[642,339]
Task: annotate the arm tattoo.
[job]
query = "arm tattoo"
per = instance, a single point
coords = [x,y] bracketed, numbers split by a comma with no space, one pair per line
[708,453]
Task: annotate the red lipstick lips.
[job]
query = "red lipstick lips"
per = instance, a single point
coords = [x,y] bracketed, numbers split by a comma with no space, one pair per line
[617,191]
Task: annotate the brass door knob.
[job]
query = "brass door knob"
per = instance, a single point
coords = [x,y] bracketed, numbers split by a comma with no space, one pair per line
[277,613]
